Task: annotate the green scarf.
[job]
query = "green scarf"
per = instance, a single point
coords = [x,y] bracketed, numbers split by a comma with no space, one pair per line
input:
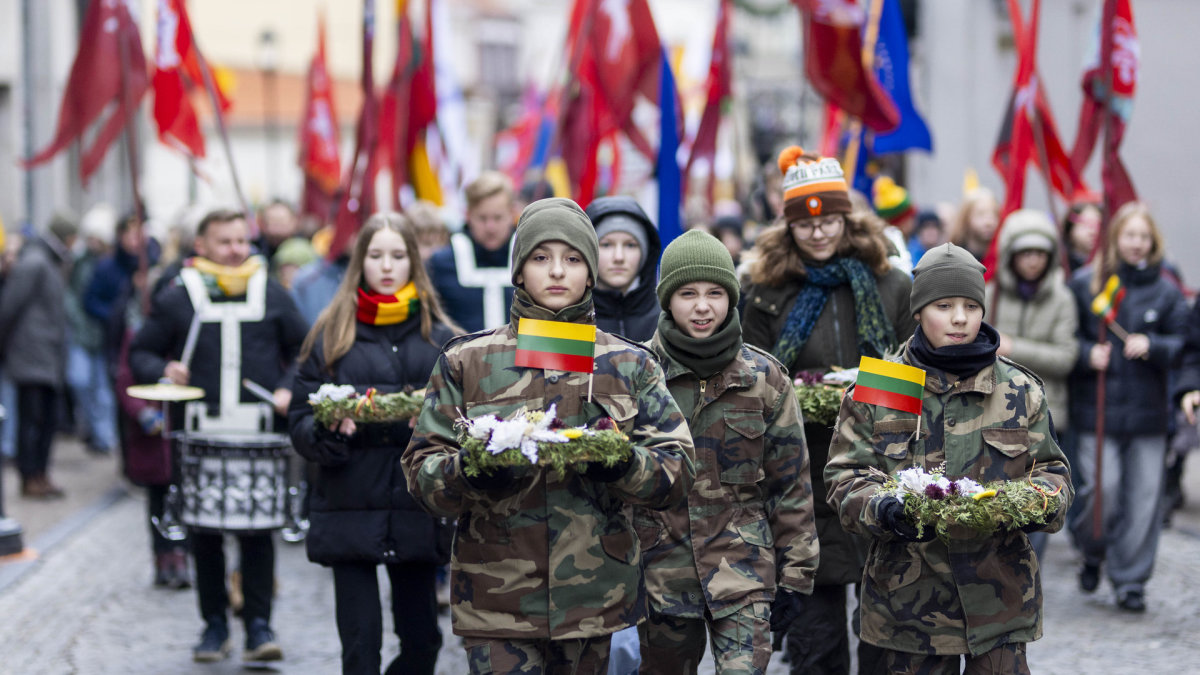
[523,307]
[703,356]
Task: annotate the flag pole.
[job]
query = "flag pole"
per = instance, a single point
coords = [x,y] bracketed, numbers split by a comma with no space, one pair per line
[211,88]
[1107,13]
[131,151]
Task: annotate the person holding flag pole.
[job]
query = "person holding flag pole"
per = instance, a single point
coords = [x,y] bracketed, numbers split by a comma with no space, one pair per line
[948,404]
[1121,396]
[546,564]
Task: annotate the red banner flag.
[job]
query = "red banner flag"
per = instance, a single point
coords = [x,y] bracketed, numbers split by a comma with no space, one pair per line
[109,38]
[1117,47]
[720,91]
[178,67]
[409,107]
[614,56]
[318,158]
[833,63]
[358,190]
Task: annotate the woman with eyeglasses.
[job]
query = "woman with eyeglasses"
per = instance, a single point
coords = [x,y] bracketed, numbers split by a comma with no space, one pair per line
[822,294]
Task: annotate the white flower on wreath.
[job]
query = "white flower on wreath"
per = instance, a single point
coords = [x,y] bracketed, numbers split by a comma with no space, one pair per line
[481,427]
[332,392]
[508,434]
[968,487]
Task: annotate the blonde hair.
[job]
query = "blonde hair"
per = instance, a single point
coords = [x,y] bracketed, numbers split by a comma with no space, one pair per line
[489,184]
[960,227]
[1120,219]
[775,258]
[336,323]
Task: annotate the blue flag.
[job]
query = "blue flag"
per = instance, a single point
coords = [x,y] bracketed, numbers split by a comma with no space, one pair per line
[667,167]
[891,67]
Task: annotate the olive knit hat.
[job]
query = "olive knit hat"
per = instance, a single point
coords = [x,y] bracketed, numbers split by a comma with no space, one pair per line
[696,256]
[946,271]
[554,219]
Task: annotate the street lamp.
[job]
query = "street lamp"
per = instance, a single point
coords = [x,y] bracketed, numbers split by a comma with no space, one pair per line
[268,62]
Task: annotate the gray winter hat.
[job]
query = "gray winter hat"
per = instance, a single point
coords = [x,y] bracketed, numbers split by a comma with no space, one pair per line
[946,271]
[554,219]
[619,222]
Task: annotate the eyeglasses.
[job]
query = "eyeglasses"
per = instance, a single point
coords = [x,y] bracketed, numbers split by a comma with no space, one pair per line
[805,229]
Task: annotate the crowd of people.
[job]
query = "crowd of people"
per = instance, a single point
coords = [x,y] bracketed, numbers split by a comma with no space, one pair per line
[733,522]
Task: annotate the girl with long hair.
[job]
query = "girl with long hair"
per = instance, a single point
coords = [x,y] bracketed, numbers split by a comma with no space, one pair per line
[823,294]
[976,221]
[1154,316]
[383,329]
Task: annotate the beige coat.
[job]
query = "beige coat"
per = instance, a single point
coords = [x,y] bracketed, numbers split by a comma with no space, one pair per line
[1042,328]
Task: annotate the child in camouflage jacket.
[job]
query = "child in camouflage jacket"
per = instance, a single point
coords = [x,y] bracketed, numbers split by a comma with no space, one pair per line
[545,567]
[929,603]
[746,534]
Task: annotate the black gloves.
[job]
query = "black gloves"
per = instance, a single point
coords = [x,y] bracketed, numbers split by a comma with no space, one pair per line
[606,474]
[500,477]
[331,447]
[1038,527]
[784,609]
[890,514]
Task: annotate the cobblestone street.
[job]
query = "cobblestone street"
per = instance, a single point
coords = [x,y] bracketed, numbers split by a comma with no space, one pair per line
[86,605]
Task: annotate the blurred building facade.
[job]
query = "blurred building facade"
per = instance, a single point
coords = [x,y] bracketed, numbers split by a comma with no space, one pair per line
[962,64]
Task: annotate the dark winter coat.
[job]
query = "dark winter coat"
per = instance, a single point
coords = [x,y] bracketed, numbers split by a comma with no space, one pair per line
[633,314]
[361,510]
[834,342]
[1189,372]
[269,346]
[33,315]
[1135,391]
[465,304]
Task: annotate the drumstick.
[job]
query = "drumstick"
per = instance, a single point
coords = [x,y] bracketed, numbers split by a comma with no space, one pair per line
[189,345]
[258,390]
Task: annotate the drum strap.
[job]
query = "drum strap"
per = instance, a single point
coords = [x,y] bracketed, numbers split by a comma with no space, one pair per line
[233,415]
[493,280]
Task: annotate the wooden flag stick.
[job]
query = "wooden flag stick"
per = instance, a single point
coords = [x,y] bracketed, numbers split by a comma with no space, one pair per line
[591,378]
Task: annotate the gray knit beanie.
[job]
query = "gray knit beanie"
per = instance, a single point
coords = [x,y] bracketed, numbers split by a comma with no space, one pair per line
[946,271]
[696,256]
[554,219]
[619,222]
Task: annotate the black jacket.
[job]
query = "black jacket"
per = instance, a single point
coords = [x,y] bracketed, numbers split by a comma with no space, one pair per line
[1135,391]
[269,346]
[633,315]
[361,510]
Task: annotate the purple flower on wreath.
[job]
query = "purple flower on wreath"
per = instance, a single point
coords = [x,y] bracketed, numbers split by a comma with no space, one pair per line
[810,377]
[935,491]
[953,488]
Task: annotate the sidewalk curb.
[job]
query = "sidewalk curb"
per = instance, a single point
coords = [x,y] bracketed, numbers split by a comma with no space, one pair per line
[12,572]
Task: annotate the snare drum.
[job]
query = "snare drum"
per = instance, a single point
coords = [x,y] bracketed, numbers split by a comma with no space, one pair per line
[233,482]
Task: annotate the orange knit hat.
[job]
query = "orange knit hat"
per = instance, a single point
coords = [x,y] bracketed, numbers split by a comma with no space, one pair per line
[812,185]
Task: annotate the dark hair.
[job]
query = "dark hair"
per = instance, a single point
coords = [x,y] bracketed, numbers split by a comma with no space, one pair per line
[218,216]
[928,219]
[1068,222]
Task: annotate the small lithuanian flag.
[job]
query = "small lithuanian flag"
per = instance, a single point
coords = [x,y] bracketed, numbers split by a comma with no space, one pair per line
[1106,304]
[891,385]
[557,345]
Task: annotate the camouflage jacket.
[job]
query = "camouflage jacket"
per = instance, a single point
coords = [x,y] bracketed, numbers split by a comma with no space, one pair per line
[977,592]
[554,556]
[747,524]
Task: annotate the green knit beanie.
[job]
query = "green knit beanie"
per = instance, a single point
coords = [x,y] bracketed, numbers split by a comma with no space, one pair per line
[696,256]
[946,271]
[554,219]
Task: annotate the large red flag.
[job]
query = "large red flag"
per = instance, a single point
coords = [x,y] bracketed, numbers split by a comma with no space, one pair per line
[178,67]
[720,90]
[358,190]
[614,56]
[409,107]
[318,158]
[1117,49]
[833,63]
[1028,131]
[109,67]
